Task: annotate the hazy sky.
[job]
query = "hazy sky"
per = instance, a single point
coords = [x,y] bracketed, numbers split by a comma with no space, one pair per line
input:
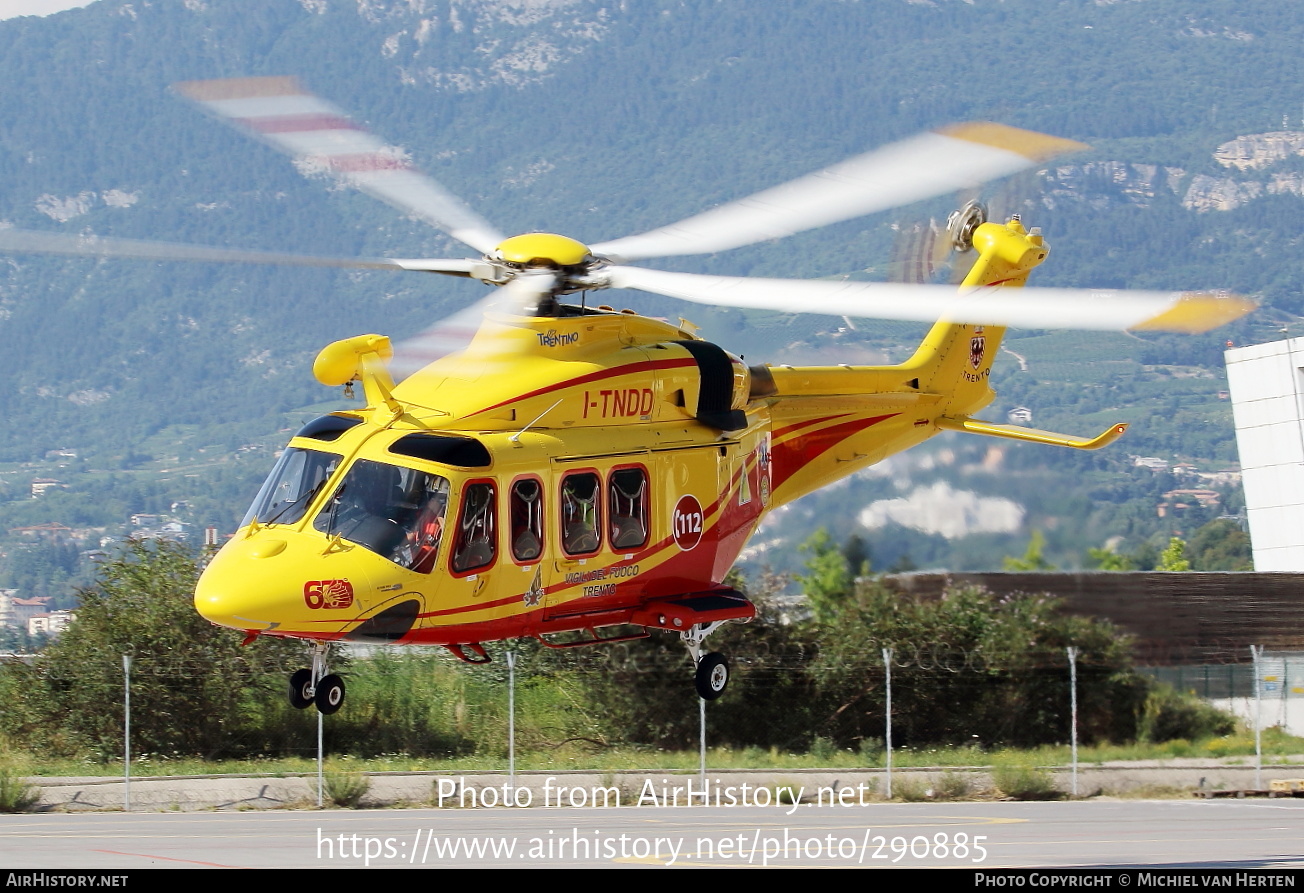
[13,8]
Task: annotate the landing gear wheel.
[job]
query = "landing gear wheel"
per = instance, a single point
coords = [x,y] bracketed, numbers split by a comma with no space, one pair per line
[712,676]
[330,694]
[300,686]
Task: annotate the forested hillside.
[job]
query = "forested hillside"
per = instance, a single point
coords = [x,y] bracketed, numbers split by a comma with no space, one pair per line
[599,120]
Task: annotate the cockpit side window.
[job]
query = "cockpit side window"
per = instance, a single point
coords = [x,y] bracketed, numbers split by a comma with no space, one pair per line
[628,497]
[526,508]
[396,512]
[477,529]
[295,481]
[581,510]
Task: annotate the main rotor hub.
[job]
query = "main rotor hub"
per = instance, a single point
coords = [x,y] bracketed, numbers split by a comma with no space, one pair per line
[542,250]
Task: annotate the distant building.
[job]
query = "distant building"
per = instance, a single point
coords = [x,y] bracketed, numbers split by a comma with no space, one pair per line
[1178,500]
[1267,387]
[15,611]
[49,531]
[40,485]
[50,624]
[1154,463]
[1020,415]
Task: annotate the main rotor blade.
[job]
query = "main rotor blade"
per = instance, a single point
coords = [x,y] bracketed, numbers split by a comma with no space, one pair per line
[22,241]
[519,297]
[923,166]
[1035,308]
[321,138]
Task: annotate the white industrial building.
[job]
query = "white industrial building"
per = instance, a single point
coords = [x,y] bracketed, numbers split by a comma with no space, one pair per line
[1267,389]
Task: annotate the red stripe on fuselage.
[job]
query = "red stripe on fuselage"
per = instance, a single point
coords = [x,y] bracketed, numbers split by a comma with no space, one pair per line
[615,372]
[792,455]
[779,433]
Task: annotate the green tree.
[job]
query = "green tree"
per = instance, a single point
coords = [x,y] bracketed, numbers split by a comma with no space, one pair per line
[1174,557]
[194,689]
[829,579]
[858,555]
[971,666]
[1032,559]
[1221,545]
[1109,560]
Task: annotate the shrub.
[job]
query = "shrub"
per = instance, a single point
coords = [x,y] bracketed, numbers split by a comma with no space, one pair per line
[953,786]
[16,795]
[1024,781]
[1168,715]
[911,789]
[346,789]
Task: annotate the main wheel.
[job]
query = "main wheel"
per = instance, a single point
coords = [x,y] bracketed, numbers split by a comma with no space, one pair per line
[300,689]
[330,694]
[712,676]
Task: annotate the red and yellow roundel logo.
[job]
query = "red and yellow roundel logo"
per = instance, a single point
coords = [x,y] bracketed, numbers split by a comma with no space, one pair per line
[687,522]
[328,594]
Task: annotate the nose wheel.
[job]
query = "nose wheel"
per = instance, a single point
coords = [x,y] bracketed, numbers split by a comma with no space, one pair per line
[301,689]
[330,694]
[316,686]
[712,676]
[711,673]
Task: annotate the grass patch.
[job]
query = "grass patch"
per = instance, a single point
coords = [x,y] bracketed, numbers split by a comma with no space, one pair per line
[953,786]
[580,755]
[16,794]
[345,789]
[911,789]
[1021,780]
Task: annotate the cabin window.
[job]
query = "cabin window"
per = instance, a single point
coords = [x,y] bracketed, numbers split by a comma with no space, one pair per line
[329,427]
[476,530]
[527,519]
[295,481]
[581,526]
[396,512]
[463,452]
[628,508]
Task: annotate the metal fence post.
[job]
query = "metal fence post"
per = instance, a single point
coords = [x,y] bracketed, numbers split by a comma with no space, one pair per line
[321,780]
[701,724]
[887,737]
[511,721]
[1256,652]
[1073,711]
[126,733]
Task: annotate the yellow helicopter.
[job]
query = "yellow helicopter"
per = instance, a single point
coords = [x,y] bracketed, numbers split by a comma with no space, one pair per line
[583,475]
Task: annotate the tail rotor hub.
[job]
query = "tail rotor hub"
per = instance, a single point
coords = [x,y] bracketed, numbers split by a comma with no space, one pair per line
[961,224]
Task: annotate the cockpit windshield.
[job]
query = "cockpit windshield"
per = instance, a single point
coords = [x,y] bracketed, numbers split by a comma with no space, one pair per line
[396,512]
[295,481]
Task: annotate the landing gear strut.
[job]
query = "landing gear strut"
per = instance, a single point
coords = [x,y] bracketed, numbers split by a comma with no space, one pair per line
[316,686]
[712,670]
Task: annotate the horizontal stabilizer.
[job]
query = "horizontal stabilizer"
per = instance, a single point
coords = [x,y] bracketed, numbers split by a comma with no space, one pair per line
[1033,435]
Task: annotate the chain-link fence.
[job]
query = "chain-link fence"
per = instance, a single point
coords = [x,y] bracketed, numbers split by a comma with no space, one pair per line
[786,696]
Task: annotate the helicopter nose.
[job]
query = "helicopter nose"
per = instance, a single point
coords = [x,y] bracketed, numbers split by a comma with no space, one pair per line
[231,593]
[251,585]
[282,581]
